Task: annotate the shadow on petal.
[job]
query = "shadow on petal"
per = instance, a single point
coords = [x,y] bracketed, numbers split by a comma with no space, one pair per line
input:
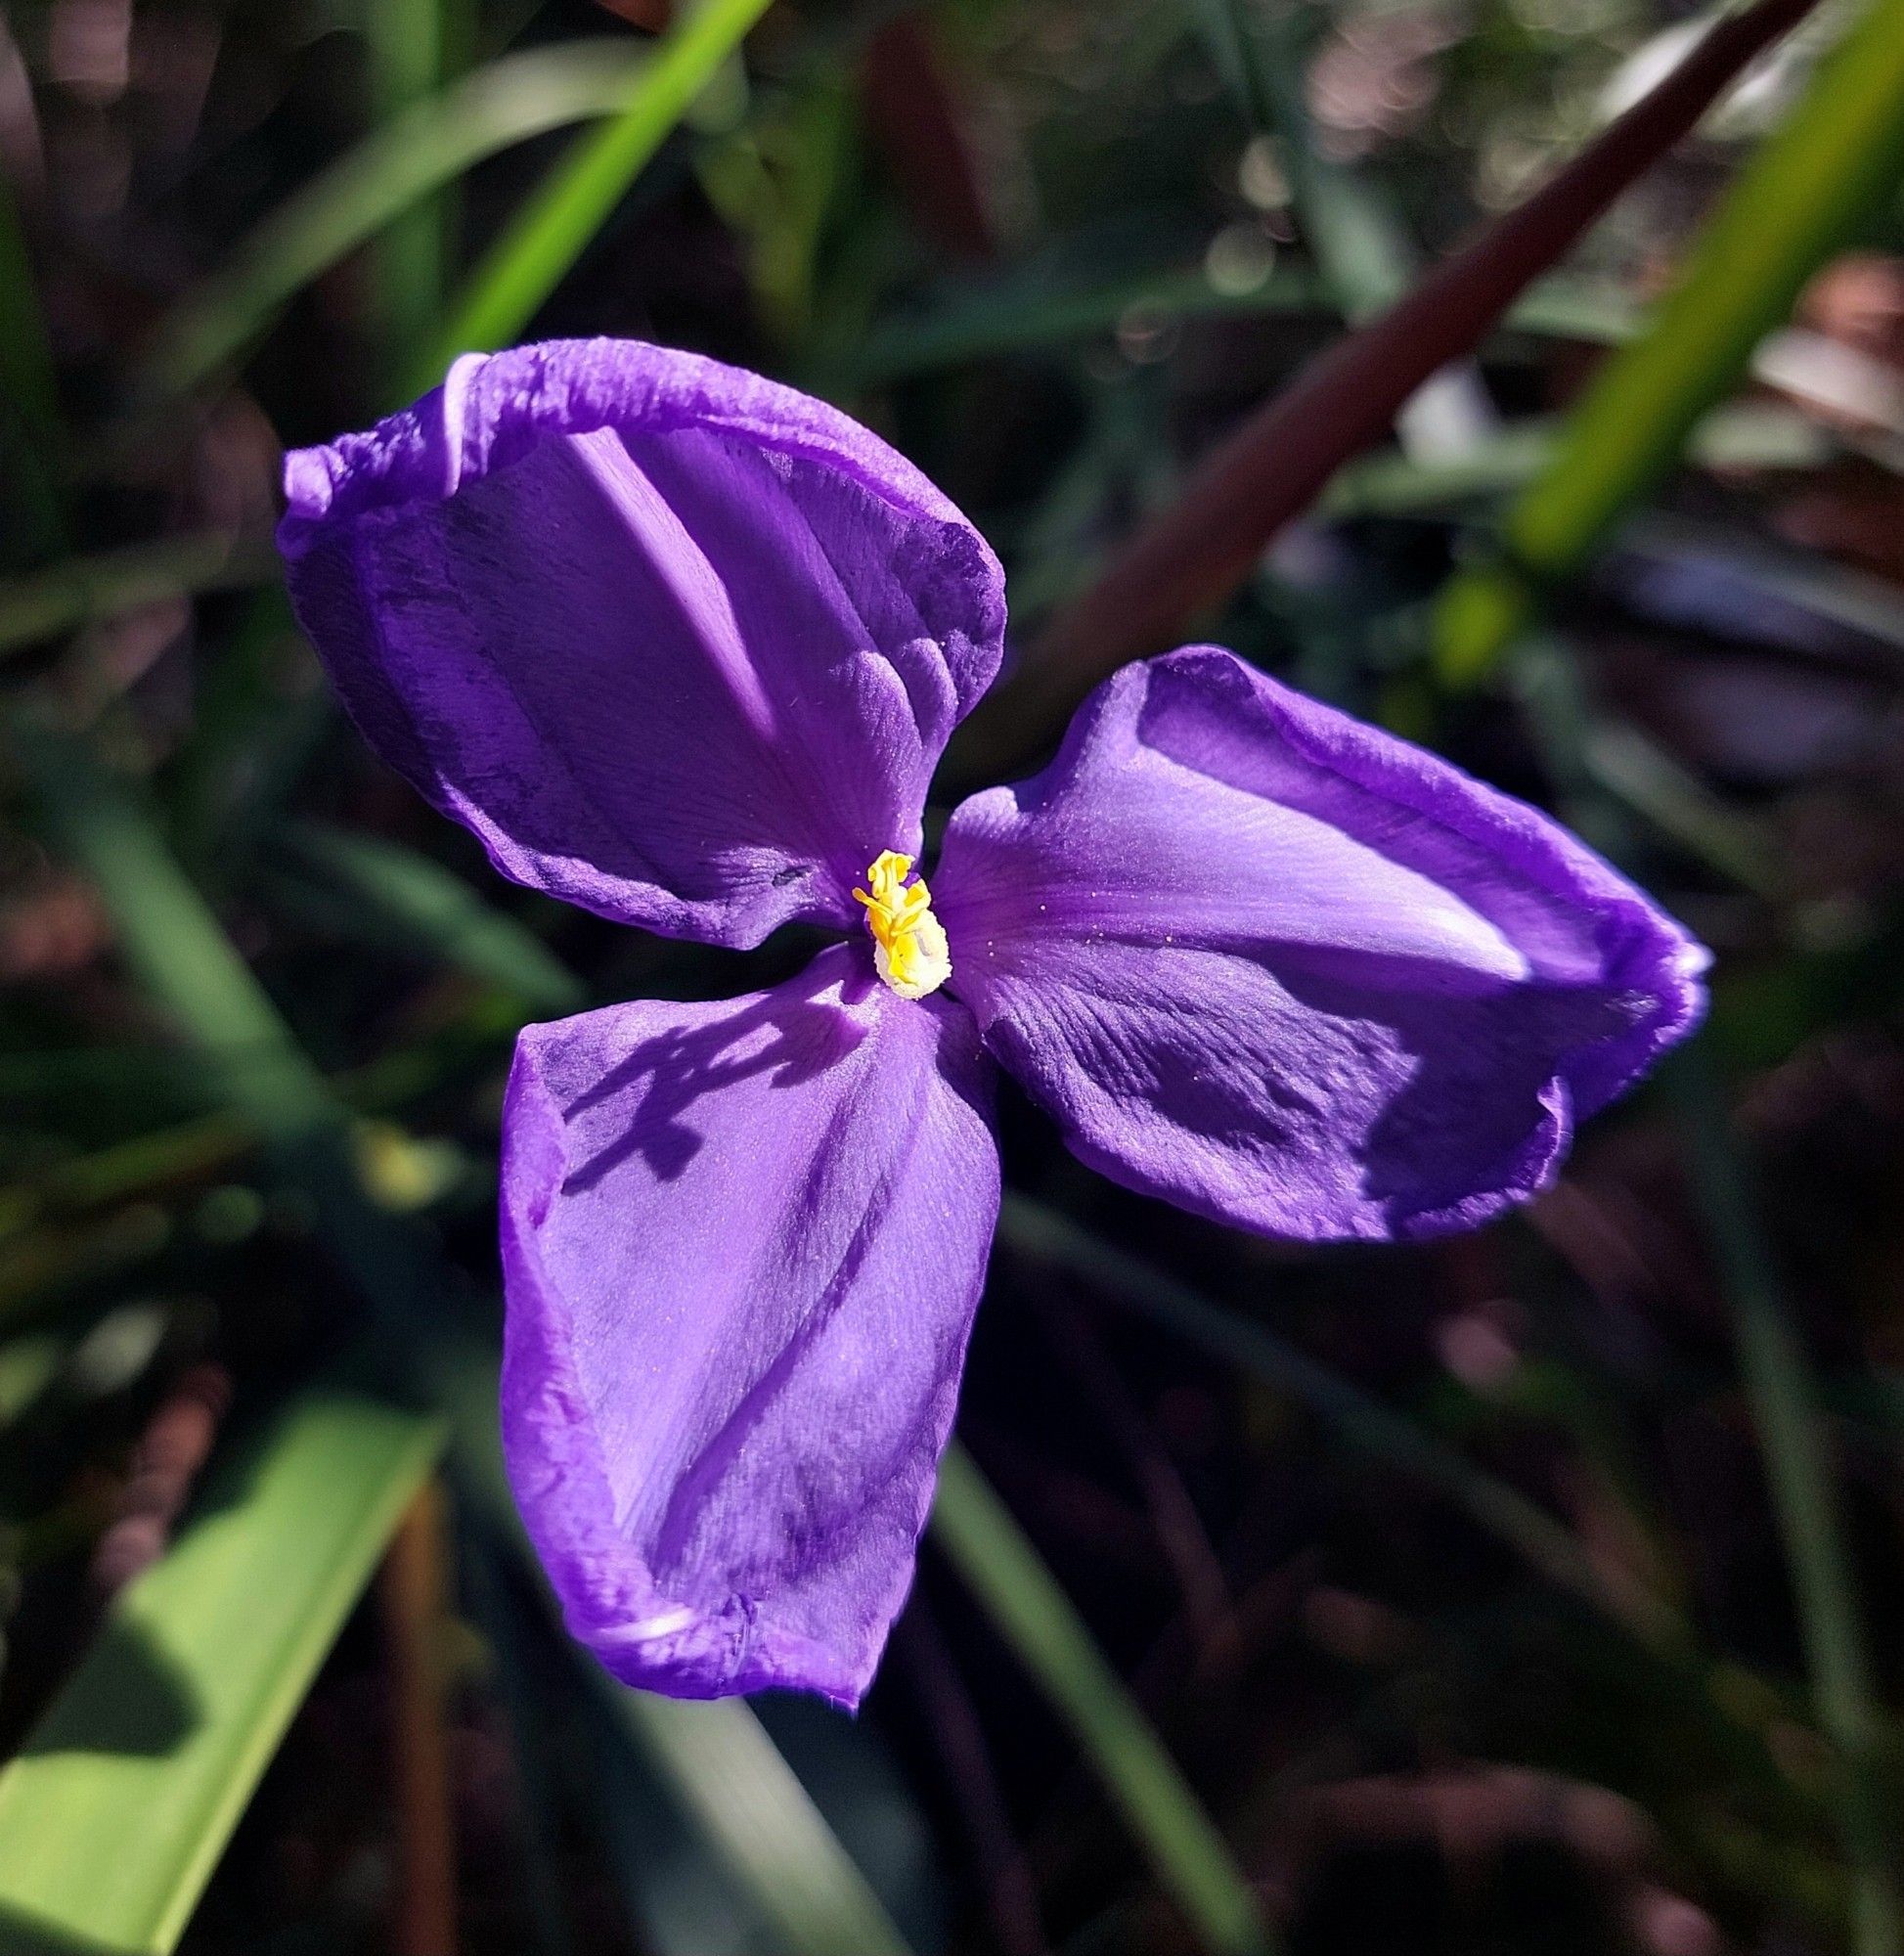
[742,1245]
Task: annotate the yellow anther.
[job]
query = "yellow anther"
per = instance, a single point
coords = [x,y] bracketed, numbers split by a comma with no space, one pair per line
[909,946]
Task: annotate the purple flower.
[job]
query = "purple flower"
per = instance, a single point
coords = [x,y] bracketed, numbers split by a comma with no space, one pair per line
[684,647]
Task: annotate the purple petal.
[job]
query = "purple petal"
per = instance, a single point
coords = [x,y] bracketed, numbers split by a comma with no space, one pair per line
[679,645]
[1294,973]
[742,1243]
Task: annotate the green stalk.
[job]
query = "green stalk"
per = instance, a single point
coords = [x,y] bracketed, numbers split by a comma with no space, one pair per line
[730,1777]
[545,239]
[1785,1406]
[1023,1599]
[1802,197]
[406,41]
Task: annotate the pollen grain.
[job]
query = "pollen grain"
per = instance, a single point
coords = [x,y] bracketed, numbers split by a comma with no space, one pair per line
[908,944]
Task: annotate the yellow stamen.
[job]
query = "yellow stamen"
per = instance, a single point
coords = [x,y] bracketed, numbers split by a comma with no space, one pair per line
[909,946]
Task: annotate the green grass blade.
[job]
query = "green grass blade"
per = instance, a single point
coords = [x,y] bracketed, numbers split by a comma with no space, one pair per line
[173,942]
[418,153]
[431,912]
[1020,1594]
[733,1782]
[1785,1404]
[69,595]
[117,1807]
[1784,1398]
[1644,777]
[717,1759]
[1510,458]
[1038,305]
[1800,198]
[1043,1235]
[530,258]
[406,41]
[29,1365]
[1356,238]
[234,764]
[1022,311]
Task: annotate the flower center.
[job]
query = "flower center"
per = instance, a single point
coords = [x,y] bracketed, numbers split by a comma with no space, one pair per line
[909,948]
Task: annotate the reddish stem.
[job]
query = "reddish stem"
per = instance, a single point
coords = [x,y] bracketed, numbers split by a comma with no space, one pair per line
[914,117]
[1194,553]
[412,1587]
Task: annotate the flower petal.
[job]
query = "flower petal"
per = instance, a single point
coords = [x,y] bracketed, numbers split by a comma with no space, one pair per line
[679,645]
[743,1243]
[1294,973]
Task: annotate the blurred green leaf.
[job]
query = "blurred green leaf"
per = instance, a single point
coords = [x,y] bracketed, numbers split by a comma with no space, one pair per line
[29,1365]
[1606,771]
[1508,459]
[1040,306]
[1792,1433]
[1782,1393]
[426,911]
[172,942]
[773,181]
[27,384]
[1800,198]
[407,44]
[1646,778]
[83,589]
[1041,1234]
[29,395]
[259,711]
[528,261]
[130,1168]
[122,1798]
[1797,583]
[41,1266]
[1354,237]
[733,1782]
[1036,1617]
[427,146]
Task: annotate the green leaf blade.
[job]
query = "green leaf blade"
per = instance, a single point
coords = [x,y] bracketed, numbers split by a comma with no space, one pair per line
[731,1781]
[1006,1573]
[1800,200]
[407,41]
[414,154]
[431,912]
[114,1815]
[548,237]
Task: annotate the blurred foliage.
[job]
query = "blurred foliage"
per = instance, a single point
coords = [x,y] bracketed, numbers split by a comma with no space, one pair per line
[1537,1589]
